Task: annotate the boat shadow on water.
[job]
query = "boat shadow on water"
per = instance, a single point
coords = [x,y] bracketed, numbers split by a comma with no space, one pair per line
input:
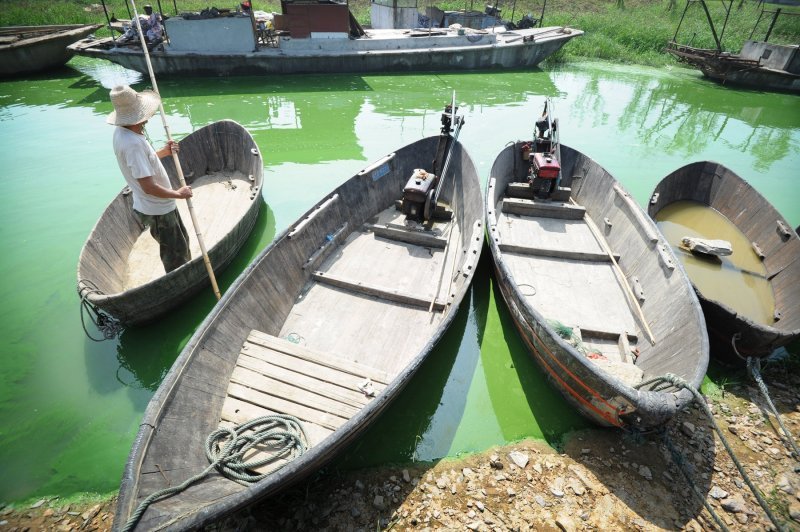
[144,354]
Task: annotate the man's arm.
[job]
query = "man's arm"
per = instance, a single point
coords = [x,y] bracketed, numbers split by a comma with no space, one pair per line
[149,186]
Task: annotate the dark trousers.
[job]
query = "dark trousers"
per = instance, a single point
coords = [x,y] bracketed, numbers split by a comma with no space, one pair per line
[171,235]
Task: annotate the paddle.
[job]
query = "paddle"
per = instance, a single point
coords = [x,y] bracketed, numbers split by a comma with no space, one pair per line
[175,159]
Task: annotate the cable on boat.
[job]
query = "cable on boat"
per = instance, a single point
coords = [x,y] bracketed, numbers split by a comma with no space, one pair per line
[282,434]
[105,323]
[678,382]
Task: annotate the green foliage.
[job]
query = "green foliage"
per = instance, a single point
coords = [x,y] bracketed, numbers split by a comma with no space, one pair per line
[635,31]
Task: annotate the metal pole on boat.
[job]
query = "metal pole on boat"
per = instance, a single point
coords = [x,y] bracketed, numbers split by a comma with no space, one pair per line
[175,159]
[541,17]
[108,20]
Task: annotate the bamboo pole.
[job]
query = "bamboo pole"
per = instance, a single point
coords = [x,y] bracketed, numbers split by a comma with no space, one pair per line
[175,158]
[620,274]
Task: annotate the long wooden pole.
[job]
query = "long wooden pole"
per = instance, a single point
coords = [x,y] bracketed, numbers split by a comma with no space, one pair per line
[175,158]
[620,274]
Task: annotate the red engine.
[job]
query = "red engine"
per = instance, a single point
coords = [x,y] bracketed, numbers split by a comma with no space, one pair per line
[545,166]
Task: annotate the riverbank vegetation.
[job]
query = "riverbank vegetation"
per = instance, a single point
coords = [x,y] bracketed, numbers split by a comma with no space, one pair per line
[626,31]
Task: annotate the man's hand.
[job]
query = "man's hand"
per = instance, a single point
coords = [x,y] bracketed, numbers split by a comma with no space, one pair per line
[185,192]
[169,149]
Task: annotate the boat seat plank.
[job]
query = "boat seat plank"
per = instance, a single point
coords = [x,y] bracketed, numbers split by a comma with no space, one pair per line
[322,359]
[404,235]
[377,291]
[556,253]
[527,207]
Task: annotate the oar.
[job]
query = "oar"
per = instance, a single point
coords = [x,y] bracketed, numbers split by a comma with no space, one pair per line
[175,159]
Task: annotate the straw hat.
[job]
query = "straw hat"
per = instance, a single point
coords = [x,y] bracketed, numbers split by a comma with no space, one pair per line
[130,107]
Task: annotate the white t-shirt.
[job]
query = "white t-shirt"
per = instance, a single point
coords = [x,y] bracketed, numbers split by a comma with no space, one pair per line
[138,159]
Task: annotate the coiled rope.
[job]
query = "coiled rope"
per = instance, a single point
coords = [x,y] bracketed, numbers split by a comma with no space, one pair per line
[678,382]
[108,326]
[282,434]
[754,369]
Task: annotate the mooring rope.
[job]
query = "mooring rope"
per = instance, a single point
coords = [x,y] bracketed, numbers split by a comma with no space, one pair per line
[283,434]
[754,367]
[107,325]
[677,457]
[700,400]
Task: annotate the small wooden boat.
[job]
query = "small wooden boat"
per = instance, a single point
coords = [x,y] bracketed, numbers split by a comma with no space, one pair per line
[595,292]
[119,270]
[26,49]
[756,308]
[327,325]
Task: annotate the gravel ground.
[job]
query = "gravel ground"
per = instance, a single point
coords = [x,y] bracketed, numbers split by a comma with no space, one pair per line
[598,480]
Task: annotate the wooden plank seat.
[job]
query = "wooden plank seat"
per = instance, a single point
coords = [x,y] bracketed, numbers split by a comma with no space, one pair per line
[523,190]
[527,207]
[587,256]
[404,235]
[276,376]
[377,291]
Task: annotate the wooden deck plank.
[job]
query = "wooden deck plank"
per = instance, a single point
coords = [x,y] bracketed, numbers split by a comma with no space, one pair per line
[277,359]
[410,237]
[377,291]
[317,383]
[323,359]
[283,406]
[267,385]
[556,253]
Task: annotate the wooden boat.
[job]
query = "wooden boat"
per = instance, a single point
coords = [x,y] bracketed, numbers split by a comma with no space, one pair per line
[327,325]
[119,270]
[596,294]
[26,49]
[324,37]
[758,65]
[766,240]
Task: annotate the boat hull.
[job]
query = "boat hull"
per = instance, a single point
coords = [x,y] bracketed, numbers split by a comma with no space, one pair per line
[681,344]
[736,71]
[46,51]
[107,254]
[718,187]
[513,53]
[275,295]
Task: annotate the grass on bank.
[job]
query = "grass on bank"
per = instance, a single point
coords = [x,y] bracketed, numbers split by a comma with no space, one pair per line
[626,31]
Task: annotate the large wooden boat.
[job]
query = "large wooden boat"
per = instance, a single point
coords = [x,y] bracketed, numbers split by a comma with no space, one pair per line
[324,37]
[594,290]
[28,49]
[327,325]
[766,239]
[758,65]
[119,270]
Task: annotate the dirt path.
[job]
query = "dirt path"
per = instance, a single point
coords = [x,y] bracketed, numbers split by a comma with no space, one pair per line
[601,480]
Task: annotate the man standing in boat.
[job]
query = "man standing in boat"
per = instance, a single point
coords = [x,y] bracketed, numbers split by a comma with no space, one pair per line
[153,196]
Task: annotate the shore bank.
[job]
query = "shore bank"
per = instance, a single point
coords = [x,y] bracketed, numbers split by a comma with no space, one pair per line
[598,479]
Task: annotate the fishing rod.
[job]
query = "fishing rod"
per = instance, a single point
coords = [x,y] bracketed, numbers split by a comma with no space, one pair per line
[175,158]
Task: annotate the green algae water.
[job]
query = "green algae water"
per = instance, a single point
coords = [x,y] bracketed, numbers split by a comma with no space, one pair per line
[70,406]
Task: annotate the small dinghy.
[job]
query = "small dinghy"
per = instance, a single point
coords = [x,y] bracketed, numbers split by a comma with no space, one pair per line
[596,294]
[320,333]
[119,270]
[750,298]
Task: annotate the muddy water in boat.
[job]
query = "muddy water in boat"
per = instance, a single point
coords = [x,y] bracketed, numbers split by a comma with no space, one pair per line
[70,407]
[737,280]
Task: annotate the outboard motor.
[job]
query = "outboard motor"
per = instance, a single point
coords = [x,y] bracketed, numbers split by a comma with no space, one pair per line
[545,171]
[421,191]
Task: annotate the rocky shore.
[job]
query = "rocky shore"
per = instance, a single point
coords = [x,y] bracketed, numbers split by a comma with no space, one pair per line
[597,480]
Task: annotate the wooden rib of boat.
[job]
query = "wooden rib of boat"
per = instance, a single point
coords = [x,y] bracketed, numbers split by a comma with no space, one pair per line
[26,49]
[353,295]
[772,241]
[569,268]
[119,270]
